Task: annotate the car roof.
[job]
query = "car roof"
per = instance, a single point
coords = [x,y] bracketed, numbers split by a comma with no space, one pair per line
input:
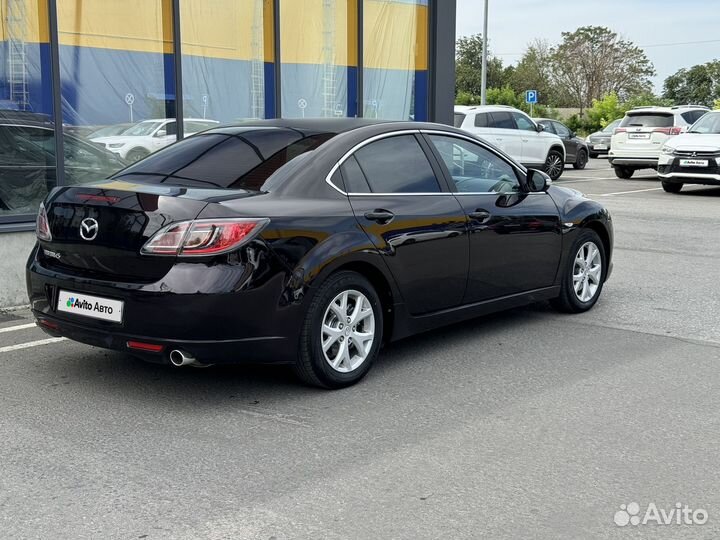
[308,125]
[667,110]
[485,108]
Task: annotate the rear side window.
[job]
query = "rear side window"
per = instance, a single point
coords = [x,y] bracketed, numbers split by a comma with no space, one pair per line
[481,120]
[651,120]
[397,165]
[502,120]
[243,160]
[693,116]
[459,119]
[355,181]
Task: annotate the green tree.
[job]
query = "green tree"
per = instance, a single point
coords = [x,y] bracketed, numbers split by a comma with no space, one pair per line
[534,72]
[593,61]
[716,106]
[609,108]
[698,85]
[468,67]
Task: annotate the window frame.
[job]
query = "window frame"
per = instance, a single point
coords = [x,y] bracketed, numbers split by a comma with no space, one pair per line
[441,171]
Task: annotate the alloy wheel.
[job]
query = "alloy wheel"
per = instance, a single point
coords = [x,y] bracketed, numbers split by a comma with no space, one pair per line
[348,331]
[587,272]
[553,166]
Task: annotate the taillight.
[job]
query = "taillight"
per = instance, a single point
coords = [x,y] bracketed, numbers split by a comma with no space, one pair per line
[203,236]
[42,225]
[669,130]
[619,130]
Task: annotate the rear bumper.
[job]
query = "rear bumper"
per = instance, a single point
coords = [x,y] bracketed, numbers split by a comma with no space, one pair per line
[220,314]
[638,162]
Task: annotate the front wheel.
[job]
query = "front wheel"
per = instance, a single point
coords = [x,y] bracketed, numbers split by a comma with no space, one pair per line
[671,187]
[581,160]
[554,164]
[584,274]
[342,332]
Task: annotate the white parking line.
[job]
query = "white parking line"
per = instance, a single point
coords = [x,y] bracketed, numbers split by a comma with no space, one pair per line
[633,191]
[30,344]
[18,327]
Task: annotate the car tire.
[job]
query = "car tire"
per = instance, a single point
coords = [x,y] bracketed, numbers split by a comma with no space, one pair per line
[343,363]
[672,187]
[136,154]
[624,172]
[580,272]
[581,160]
[554,164]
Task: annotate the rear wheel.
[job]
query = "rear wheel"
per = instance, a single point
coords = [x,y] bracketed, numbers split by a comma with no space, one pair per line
[672,187]
[584,274]
[581,160]
[624,172]
[342,332]
[554,164]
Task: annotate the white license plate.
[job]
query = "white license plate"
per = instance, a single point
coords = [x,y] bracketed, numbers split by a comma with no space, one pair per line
[600,147]
[638,135]
[94,307]
[694,162]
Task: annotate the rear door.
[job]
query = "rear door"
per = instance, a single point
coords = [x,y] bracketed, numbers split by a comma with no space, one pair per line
[401,202]
[505,133]
[642,133]
[515,237]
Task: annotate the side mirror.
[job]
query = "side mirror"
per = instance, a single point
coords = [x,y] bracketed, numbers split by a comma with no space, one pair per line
[537,181]
[540,128]
[161,133]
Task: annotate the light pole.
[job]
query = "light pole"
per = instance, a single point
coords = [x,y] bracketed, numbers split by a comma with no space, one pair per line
[483,90]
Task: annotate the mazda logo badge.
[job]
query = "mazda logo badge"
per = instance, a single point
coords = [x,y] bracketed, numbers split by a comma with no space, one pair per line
[89,229]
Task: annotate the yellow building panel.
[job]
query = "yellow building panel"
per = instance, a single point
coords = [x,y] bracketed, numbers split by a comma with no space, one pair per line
[303,27]
[129,25]
[231,29]
[395,35]
[35,18]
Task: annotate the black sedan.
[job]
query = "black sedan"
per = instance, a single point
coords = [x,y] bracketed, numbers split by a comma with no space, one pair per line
[576,150]
[310,243]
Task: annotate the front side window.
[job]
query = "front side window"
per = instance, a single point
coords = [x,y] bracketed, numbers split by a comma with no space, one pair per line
[397,165]
[547,125]
[473,168]
[561,129]
[523,122]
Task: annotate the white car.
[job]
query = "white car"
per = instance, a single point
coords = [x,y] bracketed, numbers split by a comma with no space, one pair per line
[515,133]
[148,136]
[636,142]
[694,157]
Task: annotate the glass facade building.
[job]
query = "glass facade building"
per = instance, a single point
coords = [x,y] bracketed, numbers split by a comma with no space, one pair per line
[125,78]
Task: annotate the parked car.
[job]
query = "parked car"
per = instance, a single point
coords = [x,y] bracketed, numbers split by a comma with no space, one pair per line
[516,134]
[599,142]
[275,241]
[693,157]
[636,143]
[576,151]
[148,136]
[28,164]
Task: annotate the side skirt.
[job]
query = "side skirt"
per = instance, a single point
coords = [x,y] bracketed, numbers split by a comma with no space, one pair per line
[406,325]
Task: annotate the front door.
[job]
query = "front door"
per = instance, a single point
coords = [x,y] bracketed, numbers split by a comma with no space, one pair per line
[515,237]
[412,219]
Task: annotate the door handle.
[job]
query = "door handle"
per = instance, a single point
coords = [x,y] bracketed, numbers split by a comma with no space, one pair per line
[499,139]
[480,215]
[380,215]
[526,140]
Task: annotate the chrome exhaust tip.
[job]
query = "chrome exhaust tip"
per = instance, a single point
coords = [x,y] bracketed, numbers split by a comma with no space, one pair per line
[180,358]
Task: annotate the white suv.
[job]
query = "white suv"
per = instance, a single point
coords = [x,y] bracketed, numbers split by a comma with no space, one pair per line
[515,133]
[147,136]
[637,141]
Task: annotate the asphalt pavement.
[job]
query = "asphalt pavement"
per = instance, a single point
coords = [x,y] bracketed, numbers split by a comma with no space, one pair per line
[525,424]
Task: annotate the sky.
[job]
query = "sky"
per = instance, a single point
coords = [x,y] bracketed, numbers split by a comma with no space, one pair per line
[657,25]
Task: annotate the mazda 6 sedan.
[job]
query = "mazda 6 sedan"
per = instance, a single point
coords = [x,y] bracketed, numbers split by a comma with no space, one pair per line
[309,243]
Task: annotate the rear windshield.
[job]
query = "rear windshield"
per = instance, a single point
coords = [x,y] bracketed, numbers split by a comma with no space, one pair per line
[652,120]
[224,159]
[459,119]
